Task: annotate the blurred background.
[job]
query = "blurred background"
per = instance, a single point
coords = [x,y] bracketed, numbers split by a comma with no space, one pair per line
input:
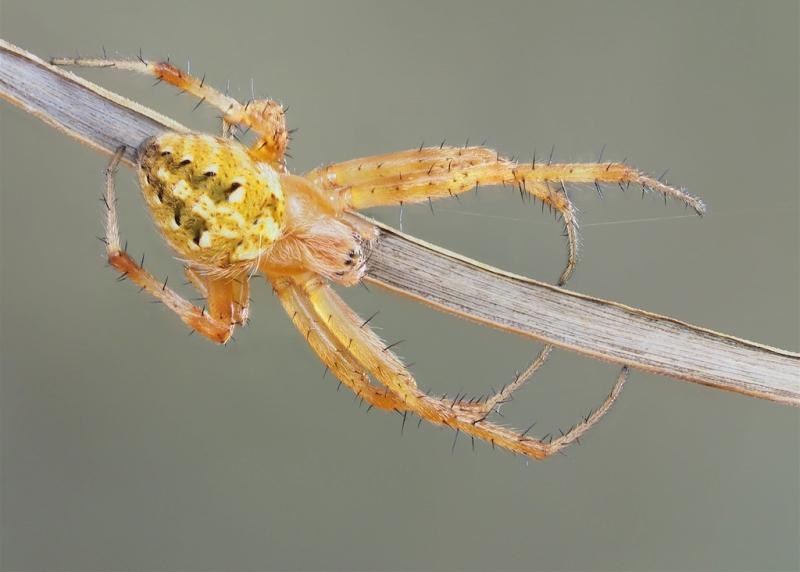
[128,445]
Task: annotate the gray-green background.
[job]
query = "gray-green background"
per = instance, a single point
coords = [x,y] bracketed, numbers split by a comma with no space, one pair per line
[128,445]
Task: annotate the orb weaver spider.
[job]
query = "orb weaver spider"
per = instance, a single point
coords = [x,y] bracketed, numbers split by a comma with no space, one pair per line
[229,211]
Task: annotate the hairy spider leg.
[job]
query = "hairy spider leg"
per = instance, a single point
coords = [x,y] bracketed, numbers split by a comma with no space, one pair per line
[336,331]
[334,354]
[264,116]
[420,175]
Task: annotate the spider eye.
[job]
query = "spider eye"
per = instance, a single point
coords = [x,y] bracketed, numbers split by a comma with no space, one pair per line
[185,162]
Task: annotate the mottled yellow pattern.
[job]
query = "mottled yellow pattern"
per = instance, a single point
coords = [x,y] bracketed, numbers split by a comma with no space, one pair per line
[211,200]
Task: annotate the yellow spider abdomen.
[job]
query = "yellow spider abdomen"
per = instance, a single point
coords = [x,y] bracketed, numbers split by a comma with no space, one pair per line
[211,200]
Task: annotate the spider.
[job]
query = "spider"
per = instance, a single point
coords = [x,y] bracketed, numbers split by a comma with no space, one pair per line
[229,211]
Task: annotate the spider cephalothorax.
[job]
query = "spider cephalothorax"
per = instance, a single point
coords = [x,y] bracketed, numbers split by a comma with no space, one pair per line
[230,211]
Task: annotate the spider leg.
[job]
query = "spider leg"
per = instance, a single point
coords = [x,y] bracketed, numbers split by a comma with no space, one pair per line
[265,117]
[227,295]
[423,174]
[335,355]
[494,402]
[348,346]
